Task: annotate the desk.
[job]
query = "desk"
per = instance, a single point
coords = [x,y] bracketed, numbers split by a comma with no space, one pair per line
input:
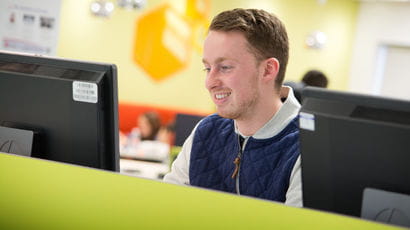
[40,194]
[145,169]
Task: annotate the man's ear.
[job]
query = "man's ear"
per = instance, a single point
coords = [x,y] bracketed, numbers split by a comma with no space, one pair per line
[271,69]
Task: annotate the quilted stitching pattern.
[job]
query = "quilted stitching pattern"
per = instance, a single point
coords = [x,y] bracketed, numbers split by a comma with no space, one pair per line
[265,167]
[211,157]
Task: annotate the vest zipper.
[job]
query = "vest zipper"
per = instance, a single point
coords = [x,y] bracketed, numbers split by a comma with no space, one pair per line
[237,162]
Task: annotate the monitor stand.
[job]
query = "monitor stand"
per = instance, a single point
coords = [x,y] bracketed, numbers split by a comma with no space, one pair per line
[386,207]
[16,141]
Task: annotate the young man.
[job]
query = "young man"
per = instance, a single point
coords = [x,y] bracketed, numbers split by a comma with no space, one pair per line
[250,147]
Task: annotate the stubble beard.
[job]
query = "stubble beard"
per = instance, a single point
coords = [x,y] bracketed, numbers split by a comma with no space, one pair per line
[244,109]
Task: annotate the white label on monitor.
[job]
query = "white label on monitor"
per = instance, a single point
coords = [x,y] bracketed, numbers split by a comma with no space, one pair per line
[85,92]
[307,121]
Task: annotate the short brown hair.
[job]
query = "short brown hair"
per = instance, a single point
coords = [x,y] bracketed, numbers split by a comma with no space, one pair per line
[265,33]
[315,78]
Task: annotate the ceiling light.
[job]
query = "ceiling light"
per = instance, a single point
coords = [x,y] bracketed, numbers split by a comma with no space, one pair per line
[102,8]
[132,4]
[316,40]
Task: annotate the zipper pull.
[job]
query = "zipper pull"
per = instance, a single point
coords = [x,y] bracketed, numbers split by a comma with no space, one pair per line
[237,161]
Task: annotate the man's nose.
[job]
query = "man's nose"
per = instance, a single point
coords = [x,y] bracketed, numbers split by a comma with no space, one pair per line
[212,79]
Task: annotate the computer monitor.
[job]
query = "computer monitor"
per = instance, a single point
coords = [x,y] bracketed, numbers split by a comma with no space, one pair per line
[350,142]
[184,124]
[70,107]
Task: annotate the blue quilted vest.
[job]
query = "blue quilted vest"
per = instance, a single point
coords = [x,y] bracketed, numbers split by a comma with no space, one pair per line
[265,167]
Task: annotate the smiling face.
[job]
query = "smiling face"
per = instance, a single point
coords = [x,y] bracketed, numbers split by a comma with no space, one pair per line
[233,74]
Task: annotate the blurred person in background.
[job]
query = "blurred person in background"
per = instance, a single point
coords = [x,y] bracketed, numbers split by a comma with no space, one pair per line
[148,140]
[312,77]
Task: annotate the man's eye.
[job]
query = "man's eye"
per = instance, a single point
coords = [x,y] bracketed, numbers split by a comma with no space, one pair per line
[207,69]
[225,68]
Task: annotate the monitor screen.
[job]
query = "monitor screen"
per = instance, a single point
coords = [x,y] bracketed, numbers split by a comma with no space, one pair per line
[350,142]
[70,107]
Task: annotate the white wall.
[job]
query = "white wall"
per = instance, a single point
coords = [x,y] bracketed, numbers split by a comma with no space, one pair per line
[379,24]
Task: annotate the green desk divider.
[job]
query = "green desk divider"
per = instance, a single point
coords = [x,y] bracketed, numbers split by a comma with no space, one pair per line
[39,194]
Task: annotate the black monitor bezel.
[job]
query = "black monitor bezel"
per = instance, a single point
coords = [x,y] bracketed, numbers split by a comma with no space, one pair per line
[109,79]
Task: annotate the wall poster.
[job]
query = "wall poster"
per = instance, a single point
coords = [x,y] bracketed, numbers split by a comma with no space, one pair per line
[30,26]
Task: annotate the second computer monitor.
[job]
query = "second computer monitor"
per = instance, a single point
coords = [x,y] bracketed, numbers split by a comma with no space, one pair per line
[350,142]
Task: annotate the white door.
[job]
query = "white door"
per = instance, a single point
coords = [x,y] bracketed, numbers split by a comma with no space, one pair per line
[392,77]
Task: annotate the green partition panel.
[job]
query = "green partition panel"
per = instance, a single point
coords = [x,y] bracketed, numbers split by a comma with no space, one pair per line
[39,194]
